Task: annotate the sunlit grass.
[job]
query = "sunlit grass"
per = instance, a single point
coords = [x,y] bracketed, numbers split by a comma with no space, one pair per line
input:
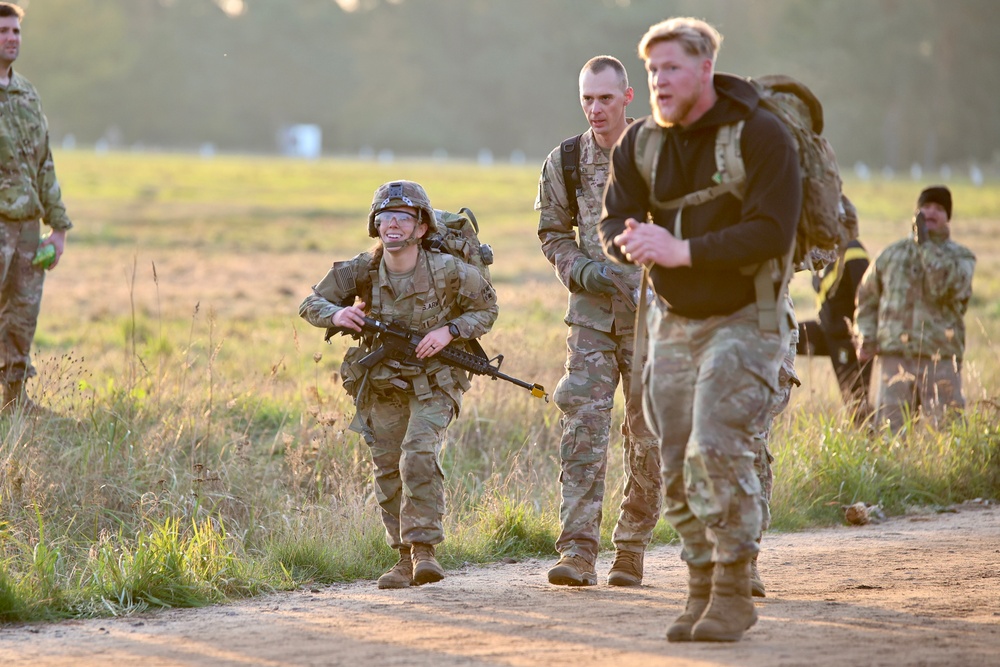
[198,448]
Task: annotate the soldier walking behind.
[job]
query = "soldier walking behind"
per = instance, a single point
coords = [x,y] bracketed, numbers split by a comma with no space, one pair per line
[600,316]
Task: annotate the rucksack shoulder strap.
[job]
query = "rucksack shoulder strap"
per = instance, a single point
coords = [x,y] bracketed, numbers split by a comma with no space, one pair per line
[729,157]
[649,140]
[447,280]
[570,154]
[770,306]
[729,178]
[374,295]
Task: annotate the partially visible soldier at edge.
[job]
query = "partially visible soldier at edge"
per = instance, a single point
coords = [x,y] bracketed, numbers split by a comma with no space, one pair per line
[29,192]
[911,318]
[831,335]
[403,411]
[712,371]
[599,345]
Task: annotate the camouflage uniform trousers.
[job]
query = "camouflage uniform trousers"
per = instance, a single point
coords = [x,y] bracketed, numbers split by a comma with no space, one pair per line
[904,384]
[20,298]
[708,387]
[585,395]
[409,482]
[787,378]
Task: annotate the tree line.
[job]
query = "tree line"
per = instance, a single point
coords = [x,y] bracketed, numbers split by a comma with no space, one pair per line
[902,81]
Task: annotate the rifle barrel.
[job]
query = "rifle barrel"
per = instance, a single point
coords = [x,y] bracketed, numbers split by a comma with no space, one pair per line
[452,356]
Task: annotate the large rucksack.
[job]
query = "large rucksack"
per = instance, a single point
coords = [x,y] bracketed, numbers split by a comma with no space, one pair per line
[827,222]
[458,235]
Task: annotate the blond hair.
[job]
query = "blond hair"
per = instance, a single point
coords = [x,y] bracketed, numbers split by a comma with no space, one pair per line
[698,37]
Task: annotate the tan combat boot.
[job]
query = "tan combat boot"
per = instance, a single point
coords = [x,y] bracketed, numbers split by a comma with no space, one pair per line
[731,611]
[426,569]
[699,594]
[756,585]
[626,570]
[573,570]
[401,573]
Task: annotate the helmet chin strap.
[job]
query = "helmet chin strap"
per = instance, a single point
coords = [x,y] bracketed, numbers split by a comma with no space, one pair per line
[405,243]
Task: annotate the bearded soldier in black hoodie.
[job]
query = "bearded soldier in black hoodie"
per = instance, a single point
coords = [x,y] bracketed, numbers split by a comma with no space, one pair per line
[712,367]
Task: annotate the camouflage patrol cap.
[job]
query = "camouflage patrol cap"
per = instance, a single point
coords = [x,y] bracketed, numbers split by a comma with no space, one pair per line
[401,193]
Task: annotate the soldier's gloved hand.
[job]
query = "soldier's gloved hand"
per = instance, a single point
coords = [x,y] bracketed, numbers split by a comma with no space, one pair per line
[594,278]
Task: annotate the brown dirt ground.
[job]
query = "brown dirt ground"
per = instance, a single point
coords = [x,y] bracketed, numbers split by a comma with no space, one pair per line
[916,590]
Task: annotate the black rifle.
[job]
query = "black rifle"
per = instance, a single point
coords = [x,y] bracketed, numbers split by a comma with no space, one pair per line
[400,343]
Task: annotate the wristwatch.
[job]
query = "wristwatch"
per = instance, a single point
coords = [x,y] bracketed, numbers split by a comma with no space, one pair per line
[453,330]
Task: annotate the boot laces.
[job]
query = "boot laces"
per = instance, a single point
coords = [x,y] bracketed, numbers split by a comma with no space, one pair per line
[628,561]
[577,562]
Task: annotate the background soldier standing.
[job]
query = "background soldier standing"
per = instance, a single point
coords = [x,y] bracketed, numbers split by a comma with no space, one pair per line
[403,410]
[911,317]
[601,319]
[28,191]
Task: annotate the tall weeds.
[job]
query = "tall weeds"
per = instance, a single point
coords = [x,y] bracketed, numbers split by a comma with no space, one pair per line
[121,502]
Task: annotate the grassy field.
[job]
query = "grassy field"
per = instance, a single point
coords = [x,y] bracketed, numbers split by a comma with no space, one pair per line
[197,447]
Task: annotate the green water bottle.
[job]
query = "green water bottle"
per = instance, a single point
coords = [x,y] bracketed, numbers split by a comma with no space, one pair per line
[45,256]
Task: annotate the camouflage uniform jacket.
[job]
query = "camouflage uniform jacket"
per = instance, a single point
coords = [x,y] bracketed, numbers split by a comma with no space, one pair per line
[569,249]
[28,186]
[912,300]
[443,290]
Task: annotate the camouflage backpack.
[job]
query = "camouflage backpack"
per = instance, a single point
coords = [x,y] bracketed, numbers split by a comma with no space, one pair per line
[828,220]
[458,234]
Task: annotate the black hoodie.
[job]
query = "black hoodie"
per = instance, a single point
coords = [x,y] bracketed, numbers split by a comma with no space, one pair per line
[725,233]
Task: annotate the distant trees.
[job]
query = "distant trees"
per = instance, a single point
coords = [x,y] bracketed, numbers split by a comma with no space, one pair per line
[902,81]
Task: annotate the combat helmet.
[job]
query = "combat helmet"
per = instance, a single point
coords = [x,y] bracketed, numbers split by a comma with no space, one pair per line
[401,193]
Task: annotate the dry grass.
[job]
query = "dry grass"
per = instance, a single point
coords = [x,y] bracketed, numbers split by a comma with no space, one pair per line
[189,391]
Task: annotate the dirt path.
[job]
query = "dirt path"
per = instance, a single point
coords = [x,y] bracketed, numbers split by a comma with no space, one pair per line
[922,590]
